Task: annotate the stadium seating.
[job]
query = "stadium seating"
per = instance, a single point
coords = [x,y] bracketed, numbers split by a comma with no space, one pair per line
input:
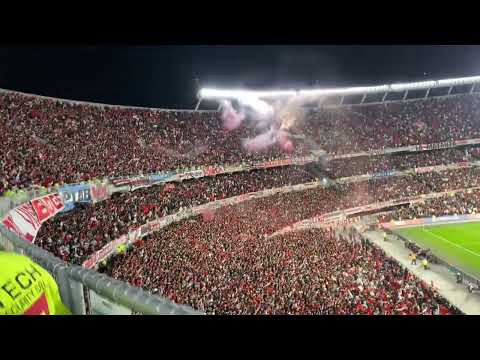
[383,163]
[233,270]
[462,203]
[77,234]
[368,127]
[50,141]
[226,263]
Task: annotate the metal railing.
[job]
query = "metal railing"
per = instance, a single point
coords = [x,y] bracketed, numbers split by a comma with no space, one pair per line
[72,280]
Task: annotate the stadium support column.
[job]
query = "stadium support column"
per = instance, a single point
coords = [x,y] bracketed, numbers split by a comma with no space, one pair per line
[198,104]
[426,94]
[472,89]
[341,100]
[405,96]
[450,90]
[384,96]
[363,98]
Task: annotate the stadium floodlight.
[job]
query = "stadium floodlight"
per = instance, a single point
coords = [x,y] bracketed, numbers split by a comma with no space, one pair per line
[344,91]
[459,81]
[209,93]
[237,94]
[413,86]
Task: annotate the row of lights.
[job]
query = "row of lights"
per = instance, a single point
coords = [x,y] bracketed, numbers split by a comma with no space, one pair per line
[209,93]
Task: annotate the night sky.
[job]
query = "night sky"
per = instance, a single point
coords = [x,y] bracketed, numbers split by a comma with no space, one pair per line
[163,76]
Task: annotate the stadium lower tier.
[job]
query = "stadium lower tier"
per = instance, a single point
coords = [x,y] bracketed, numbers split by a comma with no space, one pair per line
[234,270]
[77,234]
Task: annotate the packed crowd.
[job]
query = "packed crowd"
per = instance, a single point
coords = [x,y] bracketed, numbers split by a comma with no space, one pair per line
[74,235]
[77,234]
[384,163]
[452,179]
[50,141]
[460,203]
[318,271]
[370,127]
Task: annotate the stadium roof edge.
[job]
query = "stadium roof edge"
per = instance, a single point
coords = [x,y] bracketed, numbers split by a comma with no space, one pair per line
[78,102]
[210,93]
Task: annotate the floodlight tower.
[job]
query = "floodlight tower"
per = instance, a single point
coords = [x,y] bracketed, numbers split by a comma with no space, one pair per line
[199,101]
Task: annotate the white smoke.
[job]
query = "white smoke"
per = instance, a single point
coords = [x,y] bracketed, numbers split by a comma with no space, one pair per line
[231,118]
[262,113]
[274,120]
[260,142]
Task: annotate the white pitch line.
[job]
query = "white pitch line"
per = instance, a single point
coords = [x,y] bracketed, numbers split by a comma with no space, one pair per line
[452,243]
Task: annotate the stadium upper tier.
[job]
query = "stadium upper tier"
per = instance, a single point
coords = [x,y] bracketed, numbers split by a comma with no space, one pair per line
[47,141]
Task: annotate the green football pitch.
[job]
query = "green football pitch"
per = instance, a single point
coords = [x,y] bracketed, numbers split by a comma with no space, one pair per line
[456,244]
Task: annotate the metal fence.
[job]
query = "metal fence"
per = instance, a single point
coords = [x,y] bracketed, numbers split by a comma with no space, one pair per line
[76,284]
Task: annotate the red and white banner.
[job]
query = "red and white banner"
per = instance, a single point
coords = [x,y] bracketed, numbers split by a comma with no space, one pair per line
[459,165]
[424,169]
[104,252]
[435,146]
[241,198]
[47,206]
[126,181]
[133,183]
[90,262]
[467,142]
[99,192]
[23,221]
[303,160]
[214,170]
[190,174]
[275,163]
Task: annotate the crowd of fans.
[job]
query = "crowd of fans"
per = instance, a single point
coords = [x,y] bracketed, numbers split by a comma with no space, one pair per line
[370,127]
[384,163]
[460,203]
[76,235]
[50,141]
[452,179]
[318,271]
